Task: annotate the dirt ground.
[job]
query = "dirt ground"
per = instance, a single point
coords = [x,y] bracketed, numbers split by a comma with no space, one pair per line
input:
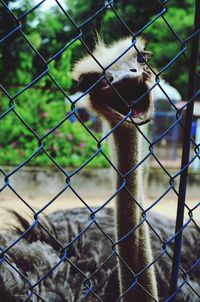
[166,207]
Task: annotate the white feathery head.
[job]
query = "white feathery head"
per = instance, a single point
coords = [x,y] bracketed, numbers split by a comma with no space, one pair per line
[105,55]
[126,79]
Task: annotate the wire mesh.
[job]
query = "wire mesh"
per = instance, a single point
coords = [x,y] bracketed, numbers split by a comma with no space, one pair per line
[92,279]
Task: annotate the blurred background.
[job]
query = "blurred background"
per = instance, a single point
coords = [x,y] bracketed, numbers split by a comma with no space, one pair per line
[43,105]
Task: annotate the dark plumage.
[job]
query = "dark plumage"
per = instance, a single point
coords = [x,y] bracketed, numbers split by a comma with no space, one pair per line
[38,252]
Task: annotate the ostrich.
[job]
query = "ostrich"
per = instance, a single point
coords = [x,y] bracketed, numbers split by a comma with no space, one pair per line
[130,79]
[33,256]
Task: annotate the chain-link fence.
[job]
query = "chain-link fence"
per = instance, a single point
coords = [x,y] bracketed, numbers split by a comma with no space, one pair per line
[72,255]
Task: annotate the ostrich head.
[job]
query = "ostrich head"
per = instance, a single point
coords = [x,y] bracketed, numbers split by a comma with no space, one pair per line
[120,86]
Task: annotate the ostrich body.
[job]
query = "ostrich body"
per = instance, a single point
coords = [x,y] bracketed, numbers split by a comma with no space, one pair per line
[130,80]
[37,253]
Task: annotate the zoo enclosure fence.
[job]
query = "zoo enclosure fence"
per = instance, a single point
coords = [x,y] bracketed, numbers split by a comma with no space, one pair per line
[186,124]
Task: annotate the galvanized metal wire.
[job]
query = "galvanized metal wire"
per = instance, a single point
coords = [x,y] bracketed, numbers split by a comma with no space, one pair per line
[187,159]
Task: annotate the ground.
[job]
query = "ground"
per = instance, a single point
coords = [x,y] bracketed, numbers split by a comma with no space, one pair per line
[166,206]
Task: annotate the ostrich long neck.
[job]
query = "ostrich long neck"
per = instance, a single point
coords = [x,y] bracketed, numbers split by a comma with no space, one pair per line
[134,250]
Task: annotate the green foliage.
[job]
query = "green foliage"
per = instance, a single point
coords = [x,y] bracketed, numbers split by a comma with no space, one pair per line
[42,107]
[165,46]
[69,145]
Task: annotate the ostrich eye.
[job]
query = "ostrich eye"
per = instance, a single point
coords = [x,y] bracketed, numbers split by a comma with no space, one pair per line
[141,57]
[110,78]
